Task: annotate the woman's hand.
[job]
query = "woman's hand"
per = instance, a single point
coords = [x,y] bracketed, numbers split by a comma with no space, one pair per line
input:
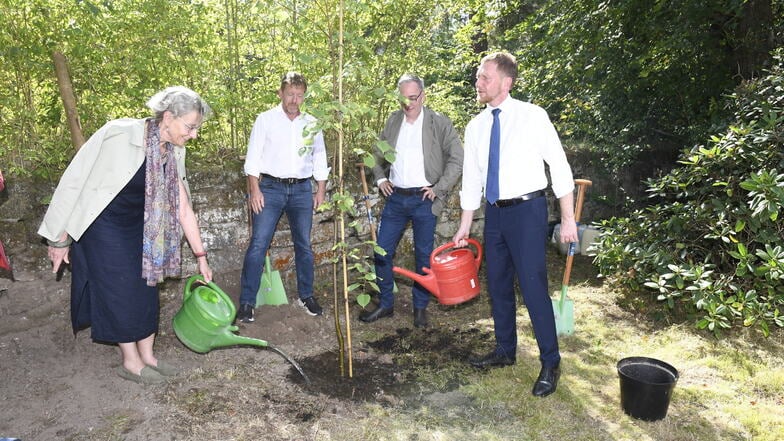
[191,229]
[58,256]
[204,269]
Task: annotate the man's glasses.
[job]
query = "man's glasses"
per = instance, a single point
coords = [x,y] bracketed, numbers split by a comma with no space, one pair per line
[406,100]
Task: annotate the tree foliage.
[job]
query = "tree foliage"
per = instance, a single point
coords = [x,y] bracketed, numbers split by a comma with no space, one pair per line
[637,79]
[713,243]
[232,52]
[632,82]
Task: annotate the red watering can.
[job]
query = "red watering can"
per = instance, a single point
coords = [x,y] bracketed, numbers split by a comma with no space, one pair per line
[452,276]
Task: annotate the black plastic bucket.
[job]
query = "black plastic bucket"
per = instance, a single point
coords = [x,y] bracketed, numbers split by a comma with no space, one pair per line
[646,387]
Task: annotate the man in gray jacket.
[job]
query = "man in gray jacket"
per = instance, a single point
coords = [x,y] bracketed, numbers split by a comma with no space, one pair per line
[428,163]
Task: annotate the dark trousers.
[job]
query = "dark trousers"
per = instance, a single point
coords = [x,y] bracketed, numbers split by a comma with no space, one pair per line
[515,241]
[398,211]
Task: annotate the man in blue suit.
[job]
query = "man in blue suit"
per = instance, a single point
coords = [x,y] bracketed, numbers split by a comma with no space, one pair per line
[506,148]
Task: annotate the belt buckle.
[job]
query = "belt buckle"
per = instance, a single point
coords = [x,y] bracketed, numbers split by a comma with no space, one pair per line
[532,195]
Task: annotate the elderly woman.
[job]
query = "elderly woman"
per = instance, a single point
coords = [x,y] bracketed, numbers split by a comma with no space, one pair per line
[117,216]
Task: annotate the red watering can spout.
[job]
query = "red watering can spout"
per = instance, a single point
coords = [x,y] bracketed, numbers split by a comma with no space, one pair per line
[428,280]
[452,276]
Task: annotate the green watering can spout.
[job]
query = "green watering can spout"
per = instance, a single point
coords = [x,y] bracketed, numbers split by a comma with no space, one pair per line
[204,322]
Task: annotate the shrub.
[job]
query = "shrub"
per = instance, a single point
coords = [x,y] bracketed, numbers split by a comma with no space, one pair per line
[712,242]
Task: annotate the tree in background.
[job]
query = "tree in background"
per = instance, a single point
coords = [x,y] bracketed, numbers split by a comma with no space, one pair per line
[232,52]
[636,81]
[713,243]
[119,53]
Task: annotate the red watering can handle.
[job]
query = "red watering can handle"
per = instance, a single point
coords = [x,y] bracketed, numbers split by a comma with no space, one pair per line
[448,245]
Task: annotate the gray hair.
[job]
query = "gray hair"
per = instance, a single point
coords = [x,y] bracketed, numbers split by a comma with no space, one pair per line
[178,100]
[407,78]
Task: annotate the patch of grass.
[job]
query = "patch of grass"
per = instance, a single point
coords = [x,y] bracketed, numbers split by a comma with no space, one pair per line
[729,389]
[769,383]
[116,427]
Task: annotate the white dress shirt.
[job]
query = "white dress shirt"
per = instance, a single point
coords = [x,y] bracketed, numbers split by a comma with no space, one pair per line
[278,147]
[408,170]
[528,141]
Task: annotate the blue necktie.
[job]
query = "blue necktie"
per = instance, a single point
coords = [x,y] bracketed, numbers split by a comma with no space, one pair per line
[493,159]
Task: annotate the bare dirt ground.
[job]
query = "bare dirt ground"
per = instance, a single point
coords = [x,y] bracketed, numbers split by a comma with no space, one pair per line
[57,386]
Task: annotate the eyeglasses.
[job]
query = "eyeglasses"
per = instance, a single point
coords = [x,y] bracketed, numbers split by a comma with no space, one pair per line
[190,127]
[405,100]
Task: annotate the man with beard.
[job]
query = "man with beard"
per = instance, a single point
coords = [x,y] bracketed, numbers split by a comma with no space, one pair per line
[282,158]
[506,148]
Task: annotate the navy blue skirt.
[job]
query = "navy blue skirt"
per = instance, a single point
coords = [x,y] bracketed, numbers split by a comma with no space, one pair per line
[108,292]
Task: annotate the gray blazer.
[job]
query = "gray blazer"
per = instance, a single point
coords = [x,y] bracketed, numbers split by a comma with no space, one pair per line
[443,152]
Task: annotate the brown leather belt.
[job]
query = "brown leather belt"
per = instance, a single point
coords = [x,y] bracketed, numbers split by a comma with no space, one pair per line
[501,203]
[284,180]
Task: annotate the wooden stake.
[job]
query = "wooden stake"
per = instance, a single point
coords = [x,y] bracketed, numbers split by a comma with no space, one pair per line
[69,99]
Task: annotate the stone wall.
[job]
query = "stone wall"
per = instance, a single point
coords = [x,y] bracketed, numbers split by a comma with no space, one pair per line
[219,201]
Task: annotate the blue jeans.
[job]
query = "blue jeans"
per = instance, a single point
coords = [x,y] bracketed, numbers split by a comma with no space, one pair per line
[398,210]
[296,200]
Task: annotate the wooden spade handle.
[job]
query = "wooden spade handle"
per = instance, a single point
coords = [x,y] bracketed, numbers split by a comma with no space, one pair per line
[582,185]
[361,167]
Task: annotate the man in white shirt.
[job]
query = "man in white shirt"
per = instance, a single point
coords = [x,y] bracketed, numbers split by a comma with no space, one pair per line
[283,154]
[427,164]
[512,178]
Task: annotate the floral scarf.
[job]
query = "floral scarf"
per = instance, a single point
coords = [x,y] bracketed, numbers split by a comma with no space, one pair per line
[162,233]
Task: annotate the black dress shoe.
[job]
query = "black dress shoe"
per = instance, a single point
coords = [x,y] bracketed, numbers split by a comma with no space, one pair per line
[547,381]
[420,318]
[492,359]
[380,312]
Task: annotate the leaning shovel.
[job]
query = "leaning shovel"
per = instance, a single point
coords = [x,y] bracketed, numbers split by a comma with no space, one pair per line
[564,307]
[271,290]
[5,265]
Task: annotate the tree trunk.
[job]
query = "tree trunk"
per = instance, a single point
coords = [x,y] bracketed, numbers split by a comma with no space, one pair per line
[69,100]
[754,38]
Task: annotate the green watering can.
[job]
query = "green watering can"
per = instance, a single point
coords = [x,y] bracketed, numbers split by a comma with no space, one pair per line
[204,322]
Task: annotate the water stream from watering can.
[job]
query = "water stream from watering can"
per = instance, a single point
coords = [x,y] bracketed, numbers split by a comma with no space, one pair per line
[290,360]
